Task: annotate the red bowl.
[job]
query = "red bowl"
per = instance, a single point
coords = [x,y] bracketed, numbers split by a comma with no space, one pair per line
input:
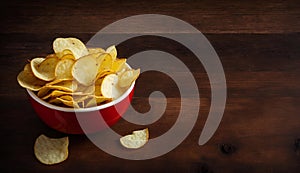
[81,120]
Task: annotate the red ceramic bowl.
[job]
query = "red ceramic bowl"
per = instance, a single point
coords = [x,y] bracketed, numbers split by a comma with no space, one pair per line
[82,120]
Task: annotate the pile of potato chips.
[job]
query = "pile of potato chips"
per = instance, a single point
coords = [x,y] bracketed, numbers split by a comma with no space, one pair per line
[77,76]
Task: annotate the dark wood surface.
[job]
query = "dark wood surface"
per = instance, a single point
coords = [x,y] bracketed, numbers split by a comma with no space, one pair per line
[258,45]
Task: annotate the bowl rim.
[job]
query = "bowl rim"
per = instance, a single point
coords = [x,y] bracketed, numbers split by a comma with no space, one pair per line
[90,109]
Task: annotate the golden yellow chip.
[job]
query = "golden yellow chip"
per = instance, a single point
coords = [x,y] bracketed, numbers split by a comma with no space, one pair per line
[106,62]
[110,87]
[85,70]
[103,74]
[51,151]
[98,90]
[27,67]
[66,97]
[118,65]
[68,56]
[44,69]
[112,51]
[96,100]
[68,86]
[53,55]
[57,81]
[63,69]
[63,53]
[135,140]
[96,50]
[43,91]
[55,93]
[66,100]
[35,62]
[73,44]
[128,77]
[58,93]
[27,80]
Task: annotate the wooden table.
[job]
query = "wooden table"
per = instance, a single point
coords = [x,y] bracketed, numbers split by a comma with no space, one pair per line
[258,45]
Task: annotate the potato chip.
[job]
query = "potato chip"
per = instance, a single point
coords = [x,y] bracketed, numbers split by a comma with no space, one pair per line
[66,97]
[51,151]
[85,70]
[27,80]
[96,50]
[98,90]
[44,69]
[96,100]
[69,86]
[56,81]
[66,100]
[63,69]
[73,44]
[106,62]
[103,73]
[88,90]
[68,56]
[27,67]
[128,77]
[118,65]
[58,93]
[112,51]
[110,87]
[43,91]
[135,140]
[63,53]
[35,62]
[66,86]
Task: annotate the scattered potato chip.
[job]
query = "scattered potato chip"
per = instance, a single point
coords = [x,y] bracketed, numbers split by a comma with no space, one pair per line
[110,88]
[51,151]
[73,44]
[128,77]
[76,76]
[85,70]
[135,140]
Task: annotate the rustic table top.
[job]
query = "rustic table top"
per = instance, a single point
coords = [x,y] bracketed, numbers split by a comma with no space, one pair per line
[258,46]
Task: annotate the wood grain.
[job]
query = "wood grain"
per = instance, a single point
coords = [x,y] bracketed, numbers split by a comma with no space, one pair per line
[258,45]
